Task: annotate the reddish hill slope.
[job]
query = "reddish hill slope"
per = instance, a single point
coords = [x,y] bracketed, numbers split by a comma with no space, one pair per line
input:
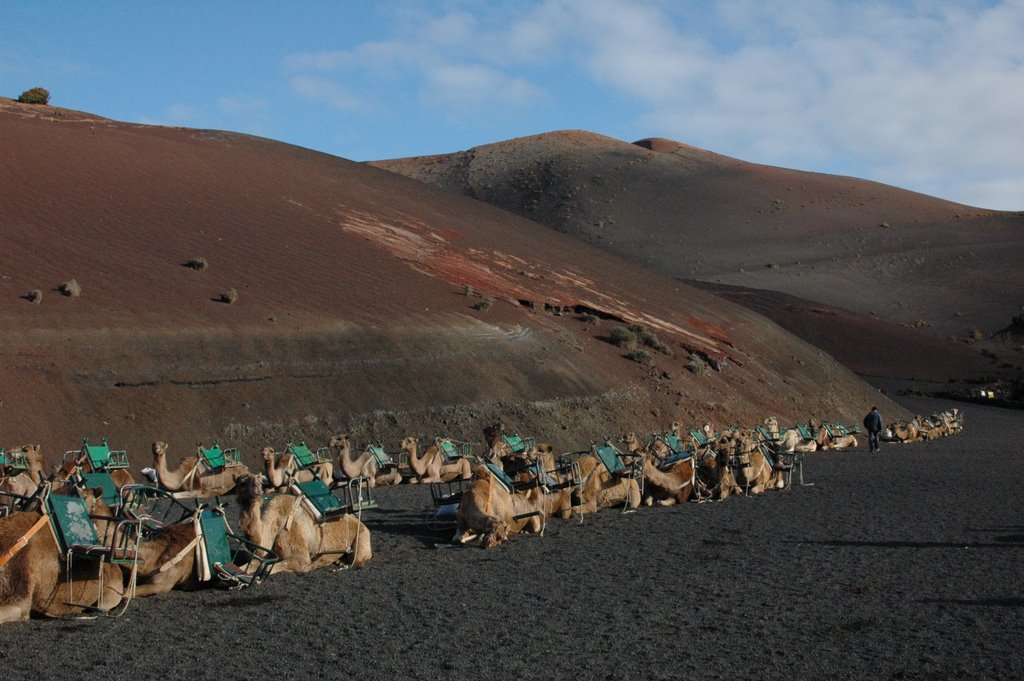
[352,310]
[875,250]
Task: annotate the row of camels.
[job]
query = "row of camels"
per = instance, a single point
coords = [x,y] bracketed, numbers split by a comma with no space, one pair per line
[923,428]
[669,469]
[285,531]
[42,577]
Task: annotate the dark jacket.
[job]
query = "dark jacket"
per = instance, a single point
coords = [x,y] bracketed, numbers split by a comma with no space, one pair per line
[873,421]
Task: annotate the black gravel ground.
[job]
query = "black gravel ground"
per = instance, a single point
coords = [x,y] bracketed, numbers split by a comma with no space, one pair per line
[903,564]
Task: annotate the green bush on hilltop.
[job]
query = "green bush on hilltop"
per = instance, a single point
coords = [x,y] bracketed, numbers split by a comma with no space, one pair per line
[36,95]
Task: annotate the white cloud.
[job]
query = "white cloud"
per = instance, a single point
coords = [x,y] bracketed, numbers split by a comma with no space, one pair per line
[241,105]
[329,92]
[923,94]
[181,113]
[914,94]
[471,87]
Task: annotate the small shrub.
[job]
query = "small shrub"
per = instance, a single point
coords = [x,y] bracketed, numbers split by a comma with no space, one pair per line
[587,318]
[646,337]
[230,296]
[72,289]
[468,290]
[976,335]
[696,364]
[484,304]
[921,323]
[623,338]
[640,356]
[34,296]
[36,95]
[196,264]
[886,225]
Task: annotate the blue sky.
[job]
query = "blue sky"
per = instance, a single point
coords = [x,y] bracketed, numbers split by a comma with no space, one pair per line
[927,95]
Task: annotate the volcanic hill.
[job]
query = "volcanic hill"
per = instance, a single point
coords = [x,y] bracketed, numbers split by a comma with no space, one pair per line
[238,288]
[807,249]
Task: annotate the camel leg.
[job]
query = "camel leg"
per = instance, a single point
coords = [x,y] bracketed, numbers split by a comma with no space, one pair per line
[16,612]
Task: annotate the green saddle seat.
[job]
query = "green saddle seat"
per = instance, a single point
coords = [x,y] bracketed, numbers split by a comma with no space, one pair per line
[518,444]
[305,458]
[382,458]
[75,533]
[111,495]
[217,458]
[612,460]
[222,559]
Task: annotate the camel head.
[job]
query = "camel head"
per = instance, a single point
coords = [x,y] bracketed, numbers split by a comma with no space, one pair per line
[339,440]
[159,450]
[409,442]
[707,430]
[268,454]
[632,442]
[248,487]
[676,428]
[33,453]
[493,432]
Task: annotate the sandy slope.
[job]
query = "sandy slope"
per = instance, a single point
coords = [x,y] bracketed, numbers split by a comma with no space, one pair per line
[898,565]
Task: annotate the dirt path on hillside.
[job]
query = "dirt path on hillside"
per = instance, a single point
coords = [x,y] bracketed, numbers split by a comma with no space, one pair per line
[899,565]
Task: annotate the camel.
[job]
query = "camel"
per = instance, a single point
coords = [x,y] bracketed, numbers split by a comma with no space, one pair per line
[488,510]
[668,484]
[24,483]
[283,525]
[168,560]
[35,580]
[281,469]
[431,467]
[827,441]
[792,441]
[119,476]
[714,478]
[497,449]
[905,433]
[599,489]
[362,466]
[931,431]
[754,473]
[276,468]
[192,478]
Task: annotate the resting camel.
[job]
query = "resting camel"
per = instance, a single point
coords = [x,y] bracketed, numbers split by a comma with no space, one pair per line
[489,511]
[599,489]
[497,449]
[283,525]
[35,579]
[362,466]
[905,433]
[168,561]
[792,441]
[932,428]
[431,467]
[26,482]
[192,478]
[668,484]
[714,478]
[754,473]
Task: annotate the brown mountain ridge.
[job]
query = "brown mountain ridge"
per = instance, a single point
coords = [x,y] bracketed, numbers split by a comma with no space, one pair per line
[893,259]
[363,303]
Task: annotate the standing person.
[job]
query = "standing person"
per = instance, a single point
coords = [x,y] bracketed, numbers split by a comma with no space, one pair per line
[873,424]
